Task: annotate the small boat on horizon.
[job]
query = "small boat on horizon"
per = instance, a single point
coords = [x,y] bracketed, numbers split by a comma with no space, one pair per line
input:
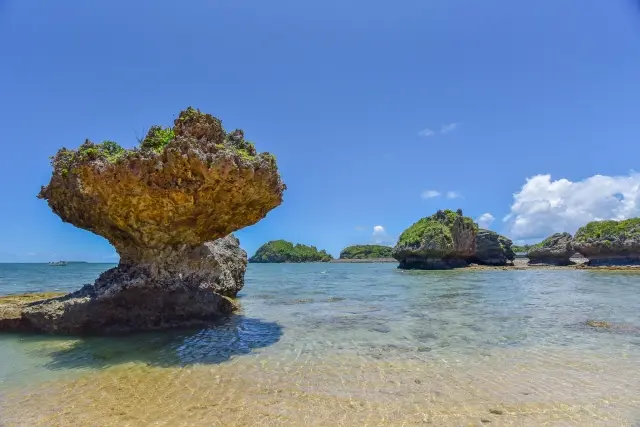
[58,263]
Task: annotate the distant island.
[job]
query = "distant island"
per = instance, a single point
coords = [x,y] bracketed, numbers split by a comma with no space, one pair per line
[366,252]
[277,251]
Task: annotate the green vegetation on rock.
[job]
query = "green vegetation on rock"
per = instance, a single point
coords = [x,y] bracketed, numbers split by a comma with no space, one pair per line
[609,230]
[191,123]
[283,251]
[366,252]
[435,228]
[520,248]
[157,138]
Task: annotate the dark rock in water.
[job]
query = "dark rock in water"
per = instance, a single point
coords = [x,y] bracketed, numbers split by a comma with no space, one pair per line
[447,240]
[554,250]
[142,297]
[610,243]
[429,263]
[168,208]
[444,240]
[492,249]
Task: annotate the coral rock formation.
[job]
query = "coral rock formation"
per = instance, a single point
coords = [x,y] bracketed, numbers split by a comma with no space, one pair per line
[554,250]
[168,208]
[492,249]
[610,243]
[444,240]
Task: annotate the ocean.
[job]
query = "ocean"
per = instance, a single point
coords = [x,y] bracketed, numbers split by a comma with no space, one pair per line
[346,345]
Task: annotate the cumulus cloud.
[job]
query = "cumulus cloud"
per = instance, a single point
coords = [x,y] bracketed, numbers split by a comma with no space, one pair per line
[381,237]
[485,220]
[453,195]
[426,133]
[544,206]
[379,230]
[428,194]
[450,127]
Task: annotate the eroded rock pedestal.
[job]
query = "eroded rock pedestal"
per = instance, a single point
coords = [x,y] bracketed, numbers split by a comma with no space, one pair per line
[165,294]
[168,207]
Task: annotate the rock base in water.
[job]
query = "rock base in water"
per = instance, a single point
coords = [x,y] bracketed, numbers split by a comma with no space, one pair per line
[418,263]
[554,262]
[614,260]
[180,288]
[82,312]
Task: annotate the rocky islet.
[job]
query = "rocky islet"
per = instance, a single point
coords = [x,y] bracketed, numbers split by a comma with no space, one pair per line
[279,251]
[610,243]
[363,252]
[448,239]
[556,249]
[168,207]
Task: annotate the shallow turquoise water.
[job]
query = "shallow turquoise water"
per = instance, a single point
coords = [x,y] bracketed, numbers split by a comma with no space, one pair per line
[369,315]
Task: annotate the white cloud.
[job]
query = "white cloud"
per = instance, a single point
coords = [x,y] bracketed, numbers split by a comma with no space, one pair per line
[428,194]
[543,206]
[449,128]
[426,133]
[379,230]
[453,195]
[485,220]
[381,237]
[444,129]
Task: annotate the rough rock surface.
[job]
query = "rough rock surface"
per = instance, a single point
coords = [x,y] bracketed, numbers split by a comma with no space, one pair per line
[554,250]
[610,243]
[444,240]
[166,207]
[492,249]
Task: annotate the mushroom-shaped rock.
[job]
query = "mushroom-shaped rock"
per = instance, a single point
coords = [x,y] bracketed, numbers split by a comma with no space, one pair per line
[492,249]
[610,242]
[443,240]
[556,249]
[168,208]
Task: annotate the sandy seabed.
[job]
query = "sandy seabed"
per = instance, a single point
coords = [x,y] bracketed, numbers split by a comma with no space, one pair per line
[523,387]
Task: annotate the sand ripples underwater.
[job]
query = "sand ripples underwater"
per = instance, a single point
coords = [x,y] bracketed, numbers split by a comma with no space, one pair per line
[356,345]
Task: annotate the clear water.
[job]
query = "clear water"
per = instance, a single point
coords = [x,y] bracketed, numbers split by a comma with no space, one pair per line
[347,344]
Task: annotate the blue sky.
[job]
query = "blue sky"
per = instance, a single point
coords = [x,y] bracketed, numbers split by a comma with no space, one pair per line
[369,106]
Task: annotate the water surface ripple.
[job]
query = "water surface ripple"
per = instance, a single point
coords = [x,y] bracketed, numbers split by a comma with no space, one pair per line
[347,344]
